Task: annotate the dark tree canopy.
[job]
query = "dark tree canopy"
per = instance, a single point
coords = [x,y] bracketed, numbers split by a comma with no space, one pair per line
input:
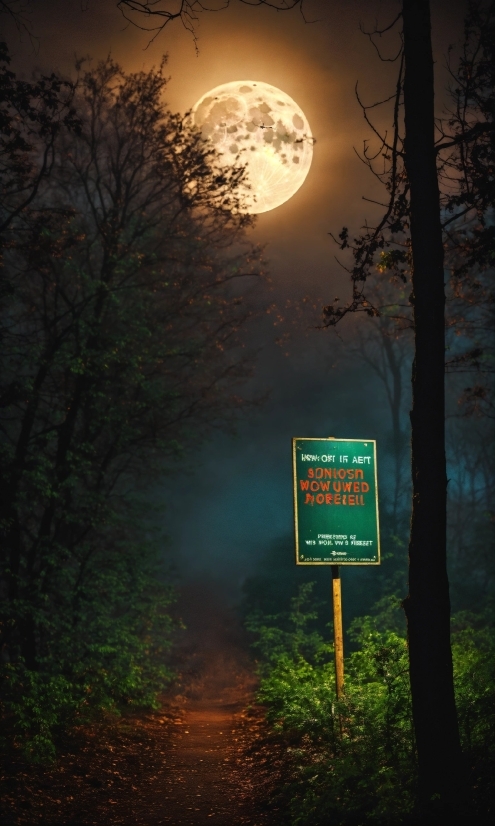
[31,117]
[129,281]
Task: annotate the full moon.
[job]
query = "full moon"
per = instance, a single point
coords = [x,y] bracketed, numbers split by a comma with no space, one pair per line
[259,126]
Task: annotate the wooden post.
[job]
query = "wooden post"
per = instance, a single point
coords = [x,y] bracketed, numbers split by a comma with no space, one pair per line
[337,631]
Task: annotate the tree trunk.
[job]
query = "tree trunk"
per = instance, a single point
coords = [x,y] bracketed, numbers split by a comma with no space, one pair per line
[427,605]
[395,401]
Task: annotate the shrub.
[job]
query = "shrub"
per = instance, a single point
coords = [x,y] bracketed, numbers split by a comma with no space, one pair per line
[353,762]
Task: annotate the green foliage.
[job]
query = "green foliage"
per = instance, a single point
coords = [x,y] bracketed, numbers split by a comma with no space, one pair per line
[124,272]
[473,649]
[35,707]
[105,651]
[353,761]
[269,590]
[291,633]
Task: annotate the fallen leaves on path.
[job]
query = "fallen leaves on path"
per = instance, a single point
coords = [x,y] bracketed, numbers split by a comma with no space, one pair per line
[192,762]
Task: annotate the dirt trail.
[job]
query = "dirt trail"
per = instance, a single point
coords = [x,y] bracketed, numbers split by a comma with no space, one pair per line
[206,779]
[187,764]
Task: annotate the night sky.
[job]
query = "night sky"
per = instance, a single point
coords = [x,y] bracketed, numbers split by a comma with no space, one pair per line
[236,497]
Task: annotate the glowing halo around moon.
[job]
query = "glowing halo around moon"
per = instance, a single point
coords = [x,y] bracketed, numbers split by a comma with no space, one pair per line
[254,124]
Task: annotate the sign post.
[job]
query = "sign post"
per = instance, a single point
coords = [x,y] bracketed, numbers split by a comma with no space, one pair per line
[336,514]
[338,634]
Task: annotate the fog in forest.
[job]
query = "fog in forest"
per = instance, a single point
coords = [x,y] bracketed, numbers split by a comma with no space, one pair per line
[163,658]
[223,508]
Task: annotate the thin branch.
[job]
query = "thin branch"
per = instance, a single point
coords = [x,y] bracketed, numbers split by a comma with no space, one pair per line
[380,32]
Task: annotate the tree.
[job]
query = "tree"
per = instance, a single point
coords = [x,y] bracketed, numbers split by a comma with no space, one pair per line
[32,113]
[411,233]
[467,181]
[471,525]
[384,343]
[129,282]
[427,605]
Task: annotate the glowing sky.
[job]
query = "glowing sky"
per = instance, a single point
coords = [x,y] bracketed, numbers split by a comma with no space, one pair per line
[255,124]
[317,65]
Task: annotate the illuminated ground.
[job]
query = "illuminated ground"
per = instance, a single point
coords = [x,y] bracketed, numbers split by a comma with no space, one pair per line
[188,764]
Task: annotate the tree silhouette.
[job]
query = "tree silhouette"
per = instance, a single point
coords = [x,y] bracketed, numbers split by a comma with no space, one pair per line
[420,215]
[122,345]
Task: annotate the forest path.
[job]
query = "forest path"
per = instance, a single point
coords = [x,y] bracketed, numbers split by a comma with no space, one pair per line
[187,764]
[206,776]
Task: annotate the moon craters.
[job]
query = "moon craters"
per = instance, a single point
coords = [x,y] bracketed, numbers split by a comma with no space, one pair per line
[261,127]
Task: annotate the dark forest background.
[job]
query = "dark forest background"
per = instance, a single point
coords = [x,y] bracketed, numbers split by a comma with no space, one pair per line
[137,324]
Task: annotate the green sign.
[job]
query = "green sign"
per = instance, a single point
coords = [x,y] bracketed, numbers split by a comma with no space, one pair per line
[336,502]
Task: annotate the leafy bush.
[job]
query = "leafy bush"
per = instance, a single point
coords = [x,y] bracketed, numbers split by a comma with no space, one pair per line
[354,762]
[473,649]
[106,652]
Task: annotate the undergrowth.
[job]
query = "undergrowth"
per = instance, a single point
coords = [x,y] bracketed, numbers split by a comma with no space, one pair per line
[107,656]
[353,762]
